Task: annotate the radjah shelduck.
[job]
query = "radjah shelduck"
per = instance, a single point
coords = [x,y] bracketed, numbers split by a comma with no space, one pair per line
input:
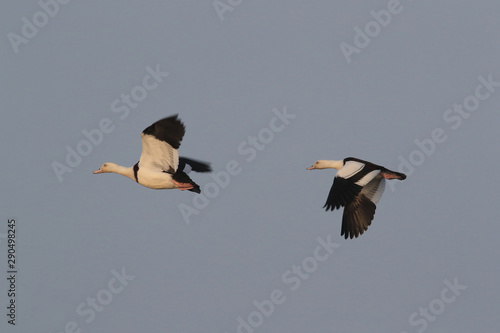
[357,186]
[160,166]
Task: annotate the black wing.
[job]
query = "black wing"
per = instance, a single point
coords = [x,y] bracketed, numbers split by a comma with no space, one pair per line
[342,193]
[195,165]
[358,215]
[170,129]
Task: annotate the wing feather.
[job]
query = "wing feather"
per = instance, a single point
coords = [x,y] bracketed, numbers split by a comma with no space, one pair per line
[374,189]
[349,169]
[358,215]
[159,144]
[342,193]
[348,183]
[158,155]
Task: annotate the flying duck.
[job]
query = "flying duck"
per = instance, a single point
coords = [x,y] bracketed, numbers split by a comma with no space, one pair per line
[357,186]
[160,166]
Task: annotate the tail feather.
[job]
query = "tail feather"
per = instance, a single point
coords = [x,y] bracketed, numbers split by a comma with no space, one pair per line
[182,177]
[388,174]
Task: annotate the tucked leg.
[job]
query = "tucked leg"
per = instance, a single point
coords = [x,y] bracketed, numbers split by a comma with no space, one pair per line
[182,186]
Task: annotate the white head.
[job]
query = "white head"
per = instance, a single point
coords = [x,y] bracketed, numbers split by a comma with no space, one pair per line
[106,167]
[326,164]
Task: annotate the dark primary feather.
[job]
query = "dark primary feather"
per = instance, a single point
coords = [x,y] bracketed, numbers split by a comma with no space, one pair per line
[342,193]
[170,129]
[195,165]
[358,215]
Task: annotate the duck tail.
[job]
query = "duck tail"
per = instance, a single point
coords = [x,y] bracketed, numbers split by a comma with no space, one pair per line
[182,177]
[388,174]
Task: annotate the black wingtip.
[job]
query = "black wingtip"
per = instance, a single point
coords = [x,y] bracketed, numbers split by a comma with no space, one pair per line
[352,234]
[329,206]
[357,217]
[170,129]
[198,166]
[346,235]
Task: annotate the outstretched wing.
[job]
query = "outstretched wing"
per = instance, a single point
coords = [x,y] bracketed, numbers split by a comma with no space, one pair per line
[342,193]
[188,164]
[347,184]
[359,213]
[159,144]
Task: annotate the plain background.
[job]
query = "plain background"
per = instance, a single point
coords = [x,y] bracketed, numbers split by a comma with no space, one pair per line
[225,78]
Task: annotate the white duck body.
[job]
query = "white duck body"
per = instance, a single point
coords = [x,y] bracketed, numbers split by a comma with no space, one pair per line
[358,187]
[160,166]
[155,180]
[159,161]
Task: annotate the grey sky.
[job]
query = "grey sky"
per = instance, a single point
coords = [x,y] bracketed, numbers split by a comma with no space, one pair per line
[414,96]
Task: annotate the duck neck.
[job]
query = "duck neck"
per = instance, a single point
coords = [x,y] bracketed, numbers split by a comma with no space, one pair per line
[334,164]
[124,171]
